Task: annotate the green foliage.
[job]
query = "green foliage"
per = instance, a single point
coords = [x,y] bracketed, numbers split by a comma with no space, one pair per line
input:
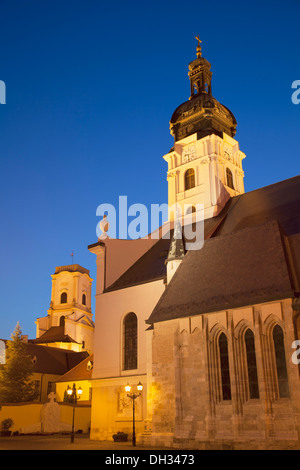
[67,398]
[6,424]
[15,385]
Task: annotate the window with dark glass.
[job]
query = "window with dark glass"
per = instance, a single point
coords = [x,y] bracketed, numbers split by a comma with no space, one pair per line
[62,321]
[229,178]
[191,210]
[130,342]
[251,364]
[63,298]
[189,179]
[37,384]
[283,385]
[83,299]
[224,362]
[51,387]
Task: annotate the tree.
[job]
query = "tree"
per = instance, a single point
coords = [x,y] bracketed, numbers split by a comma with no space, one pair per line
[15,384]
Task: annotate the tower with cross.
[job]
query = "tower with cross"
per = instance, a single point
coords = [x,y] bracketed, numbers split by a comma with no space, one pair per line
[205,164]
[70,318]
[199,46]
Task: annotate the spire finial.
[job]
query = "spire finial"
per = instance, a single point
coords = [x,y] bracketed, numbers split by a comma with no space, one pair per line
[199,54]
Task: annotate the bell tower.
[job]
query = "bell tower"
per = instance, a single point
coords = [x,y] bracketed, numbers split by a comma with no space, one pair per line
[69,323]
[205,164]
[200,74]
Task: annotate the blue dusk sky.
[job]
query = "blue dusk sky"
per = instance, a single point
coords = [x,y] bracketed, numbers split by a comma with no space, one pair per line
[91,87]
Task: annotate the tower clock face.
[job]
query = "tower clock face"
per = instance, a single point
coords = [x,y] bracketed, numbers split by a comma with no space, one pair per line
[188,154]
[228,153]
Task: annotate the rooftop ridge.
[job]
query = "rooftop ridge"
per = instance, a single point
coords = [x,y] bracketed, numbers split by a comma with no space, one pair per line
[71,268]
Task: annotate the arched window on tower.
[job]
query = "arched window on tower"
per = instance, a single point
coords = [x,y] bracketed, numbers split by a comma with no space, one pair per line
[63,298]
[229,178]
[251,364]
[224,362]
[83,299]
[192,210]
[189,179]
[62,321]
[130,342]
[282,377]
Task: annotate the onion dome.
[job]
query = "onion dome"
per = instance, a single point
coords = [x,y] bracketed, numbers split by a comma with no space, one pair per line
[202,113]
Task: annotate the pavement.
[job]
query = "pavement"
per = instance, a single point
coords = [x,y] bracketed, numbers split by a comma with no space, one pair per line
[83,442]
[63,442]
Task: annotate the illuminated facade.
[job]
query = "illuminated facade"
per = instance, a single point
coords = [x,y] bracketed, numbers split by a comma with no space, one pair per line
[208,332]
[69,323]
[205,164]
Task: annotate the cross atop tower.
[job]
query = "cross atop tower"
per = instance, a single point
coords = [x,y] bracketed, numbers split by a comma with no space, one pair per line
[199,73]
[199,54]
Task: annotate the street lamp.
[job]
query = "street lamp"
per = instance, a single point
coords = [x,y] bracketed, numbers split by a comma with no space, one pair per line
[75,395]
[133,396]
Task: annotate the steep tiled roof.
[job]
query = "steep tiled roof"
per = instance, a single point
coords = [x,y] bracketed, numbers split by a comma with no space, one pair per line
[49,360]
[253,257]
[55,334]
[279,201]
[150,267]
[234,270]
[79,372]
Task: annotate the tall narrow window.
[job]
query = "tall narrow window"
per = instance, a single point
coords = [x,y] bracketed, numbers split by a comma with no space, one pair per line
[283,385]
[191,210]
[224,361]
[189,179]
[130,342]
[251,364]
[229,178]
[83,299]
[63,298]
[51,387]
[62,321]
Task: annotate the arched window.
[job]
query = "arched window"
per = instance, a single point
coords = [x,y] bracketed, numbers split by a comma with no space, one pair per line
[251,364]
[229,178]
[63,298]
[130,342]
[224,362]
[62,321]
[191,210]
[189,179]
[83,299]
[283,385]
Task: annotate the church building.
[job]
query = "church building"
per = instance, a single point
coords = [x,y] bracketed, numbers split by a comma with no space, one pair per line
[207,332]
[65,337]
[69,322]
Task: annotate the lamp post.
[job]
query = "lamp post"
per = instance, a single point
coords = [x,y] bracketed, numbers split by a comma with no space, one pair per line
[75,395]
[133,396]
